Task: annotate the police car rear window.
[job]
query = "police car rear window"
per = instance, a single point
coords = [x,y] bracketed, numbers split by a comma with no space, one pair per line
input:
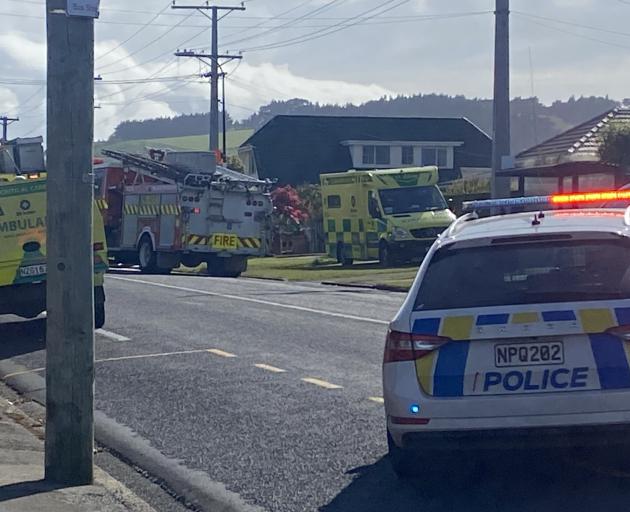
[532,273]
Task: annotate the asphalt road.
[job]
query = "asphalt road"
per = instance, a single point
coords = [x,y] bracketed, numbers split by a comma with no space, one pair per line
[273,389]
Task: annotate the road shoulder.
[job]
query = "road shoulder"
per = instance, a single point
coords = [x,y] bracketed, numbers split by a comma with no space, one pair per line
[22,484]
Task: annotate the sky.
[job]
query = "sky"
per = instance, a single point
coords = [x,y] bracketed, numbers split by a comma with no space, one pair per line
[328,51]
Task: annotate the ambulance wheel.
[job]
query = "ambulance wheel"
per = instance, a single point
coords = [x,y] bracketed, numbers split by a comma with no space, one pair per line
[341,255]
[99,315]
[146,256]
[403,462]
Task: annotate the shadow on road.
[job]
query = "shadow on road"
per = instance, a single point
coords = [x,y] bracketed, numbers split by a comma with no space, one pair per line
[532,482]
[24,489]
[22,337]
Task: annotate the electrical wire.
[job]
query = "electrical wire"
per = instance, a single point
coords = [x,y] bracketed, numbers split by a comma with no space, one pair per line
[572,24]
[575,34]
[289,23]
[164,54]
[136,33]
[318,34]
[153,41]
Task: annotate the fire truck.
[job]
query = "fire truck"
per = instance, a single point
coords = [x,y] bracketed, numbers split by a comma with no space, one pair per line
[171,208]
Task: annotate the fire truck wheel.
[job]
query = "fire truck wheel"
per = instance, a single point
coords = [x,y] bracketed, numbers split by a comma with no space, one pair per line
[146,255]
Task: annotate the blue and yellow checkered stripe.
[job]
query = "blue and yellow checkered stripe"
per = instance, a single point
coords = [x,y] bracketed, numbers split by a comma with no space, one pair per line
[442,372]
[354,233]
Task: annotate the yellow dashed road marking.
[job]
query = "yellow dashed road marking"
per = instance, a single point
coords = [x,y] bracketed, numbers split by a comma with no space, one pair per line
[321,383]
[269,368]
[221,353]
[377,399]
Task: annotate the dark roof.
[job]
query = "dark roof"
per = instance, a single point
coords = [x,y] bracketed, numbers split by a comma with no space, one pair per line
[579,144]
[297,149]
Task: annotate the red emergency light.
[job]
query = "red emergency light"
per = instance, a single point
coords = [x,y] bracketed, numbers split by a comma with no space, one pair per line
[590,197]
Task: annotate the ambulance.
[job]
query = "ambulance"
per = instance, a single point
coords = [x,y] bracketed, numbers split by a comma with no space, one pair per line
[23,235]
[392,215]
[514,335]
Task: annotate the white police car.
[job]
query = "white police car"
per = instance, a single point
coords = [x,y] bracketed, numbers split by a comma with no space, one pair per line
[516,332]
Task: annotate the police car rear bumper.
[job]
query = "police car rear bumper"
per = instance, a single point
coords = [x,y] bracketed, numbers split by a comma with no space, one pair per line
[571,437]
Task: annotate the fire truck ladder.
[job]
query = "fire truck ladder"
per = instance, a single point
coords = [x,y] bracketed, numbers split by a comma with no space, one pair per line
[155,168]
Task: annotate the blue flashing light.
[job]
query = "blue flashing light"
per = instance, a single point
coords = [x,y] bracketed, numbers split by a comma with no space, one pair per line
[414,408]
[504,203]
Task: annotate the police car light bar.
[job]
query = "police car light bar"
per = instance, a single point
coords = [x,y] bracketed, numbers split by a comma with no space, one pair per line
[505,203]
[591,197]
[555,199]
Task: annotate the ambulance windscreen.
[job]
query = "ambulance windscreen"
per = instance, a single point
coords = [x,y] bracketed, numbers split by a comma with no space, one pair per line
[398,201]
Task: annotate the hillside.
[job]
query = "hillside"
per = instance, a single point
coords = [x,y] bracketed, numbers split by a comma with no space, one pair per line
[189,143]
[532,121]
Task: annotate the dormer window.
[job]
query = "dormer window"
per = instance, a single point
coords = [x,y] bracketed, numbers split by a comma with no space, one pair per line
[435,156]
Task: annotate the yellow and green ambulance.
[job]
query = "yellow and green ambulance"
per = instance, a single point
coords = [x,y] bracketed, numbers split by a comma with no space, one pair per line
[23,248]
[392,215]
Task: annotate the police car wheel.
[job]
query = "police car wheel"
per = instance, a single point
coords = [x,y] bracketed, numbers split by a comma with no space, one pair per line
[404,463]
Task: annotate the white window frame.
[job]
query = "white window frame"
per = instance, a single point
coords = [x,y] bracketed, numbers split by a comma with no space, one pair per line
[395,152]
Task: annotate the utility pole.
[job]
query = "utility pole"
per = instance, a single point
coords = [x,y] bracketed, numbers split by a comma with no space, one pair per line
[214,57]
[70,277]
[6,121]
[501,107]
[224,117]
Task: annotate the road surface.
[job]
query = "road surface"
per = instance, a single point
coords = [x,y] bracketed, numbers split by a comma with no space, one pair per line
[274,389]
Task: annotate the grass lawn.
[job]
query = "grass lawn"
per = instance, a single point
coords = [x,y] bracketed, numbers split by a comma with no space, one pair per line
[322,268]
[191,143]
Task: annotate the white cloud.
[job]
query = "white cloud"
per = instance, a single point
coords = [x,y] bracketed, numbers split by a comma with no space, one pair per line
[8,101]
[254,85]
[28,52]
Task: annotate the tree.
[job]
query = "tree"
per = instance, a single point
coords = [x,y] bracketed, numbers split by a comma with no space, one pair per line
[234,163]
[615,145]
[289,212]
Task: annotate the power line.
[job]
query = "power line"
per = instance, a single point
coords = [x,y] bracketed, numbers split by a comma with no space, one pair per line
[573,24]
[153,41]
[137,32]
[164,54]
[289,23]
[575,34]
[360,18]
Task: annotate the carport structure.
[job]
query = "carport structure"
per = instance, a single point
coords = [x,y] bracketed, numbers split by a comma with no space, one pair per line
[571,161]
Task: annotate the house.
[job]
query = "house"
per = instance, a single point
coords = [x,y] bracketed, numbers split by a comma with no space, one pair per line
[296,149]
[570,161]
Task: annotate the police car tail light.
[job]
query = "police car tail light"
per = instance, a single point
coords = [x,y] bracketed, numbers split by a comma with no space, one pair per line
[622,331]
[403,346]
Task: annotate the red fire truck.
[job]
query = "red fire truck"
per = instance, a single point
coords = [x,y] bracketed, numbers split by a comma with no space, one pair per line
[167,209]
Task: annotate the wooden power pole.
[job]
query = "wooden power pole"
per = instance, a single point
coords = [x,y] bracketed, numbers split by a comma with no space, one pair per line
[501,114]
[214,57]
[70,321]
[6,121]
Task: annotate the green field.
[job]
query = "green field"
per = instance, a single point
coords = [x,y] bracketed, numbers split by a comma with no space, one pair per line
[190,143]
[321,268]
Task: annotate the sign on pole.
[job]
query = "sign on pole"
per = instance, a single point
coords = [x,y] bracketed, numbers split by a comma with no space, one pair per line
[84,8]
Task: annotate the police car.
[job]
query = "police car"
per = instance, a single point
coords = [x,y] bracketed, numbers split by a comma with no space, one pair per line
[516,332]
